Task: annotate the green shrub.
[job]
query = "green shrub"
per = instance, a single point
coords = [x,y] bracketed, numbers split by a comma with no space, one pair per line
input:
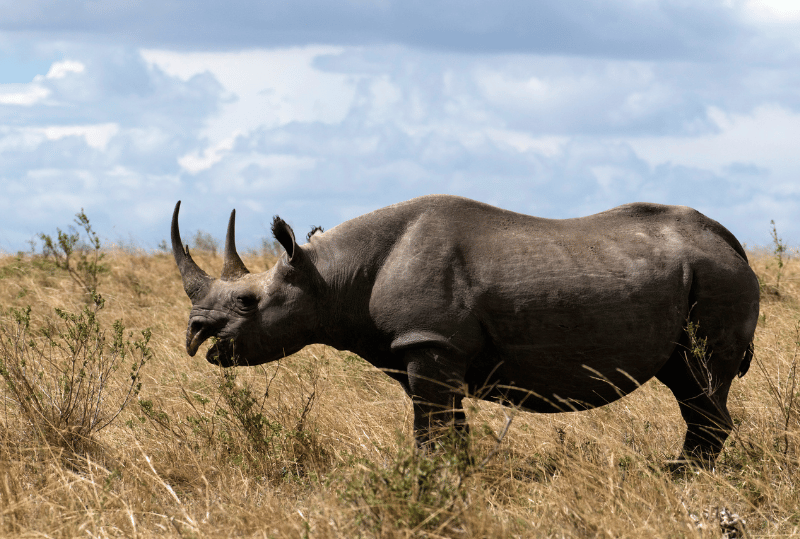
[203,241]
[779,248]
[417,489]
[86,270]
[62,376]
[236,422]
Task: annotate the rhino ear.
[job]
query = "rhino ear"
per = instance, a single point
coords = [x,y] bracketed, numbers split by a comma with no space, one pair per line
[285,236]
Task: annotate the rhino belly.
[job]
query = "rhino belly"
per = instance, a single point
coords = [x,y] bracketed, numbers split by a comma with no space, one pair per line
[567,382]
[562,361]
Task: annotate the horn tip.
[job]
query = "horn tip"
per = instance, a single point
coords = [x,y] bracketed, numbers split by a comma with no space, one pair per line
[175,213]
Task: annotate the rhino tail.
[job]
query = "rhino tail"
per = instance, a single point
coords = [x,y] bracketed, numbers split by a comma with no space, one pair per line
[744,366]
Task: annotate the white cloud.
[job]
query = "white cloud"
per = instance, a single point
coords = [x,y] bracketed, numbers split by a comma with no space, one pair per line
[549,146]
[96,136]
[265,88]
[771,11]
[554,95]
[256,174]
[22,94]
[198,160]
[385,96]
[36,92]
[61,69]
[767,136]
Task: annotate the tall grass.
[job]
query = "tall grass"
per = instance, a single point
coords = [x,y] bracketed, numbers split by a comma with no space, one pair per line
[320,443]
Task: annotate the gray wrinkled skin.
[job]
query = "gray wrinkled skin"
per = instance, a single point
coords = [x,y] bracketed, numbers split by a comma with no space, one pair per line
[453,297]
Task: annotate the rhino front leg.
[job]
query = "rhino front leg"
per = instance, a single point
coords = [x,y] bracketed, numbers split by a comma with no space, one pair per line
[436,387]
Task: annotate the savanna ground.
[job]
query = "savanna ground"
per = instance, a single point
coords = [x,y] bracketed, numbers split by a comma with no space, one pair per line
[106,432]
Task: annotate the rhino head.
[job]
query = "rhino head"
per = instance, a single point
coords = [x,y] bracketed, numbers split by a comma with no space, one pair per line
[253,318]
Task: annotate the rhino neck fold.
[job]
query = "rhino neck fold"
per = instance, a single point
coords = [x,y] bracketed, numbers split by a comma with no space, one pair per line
[348,269]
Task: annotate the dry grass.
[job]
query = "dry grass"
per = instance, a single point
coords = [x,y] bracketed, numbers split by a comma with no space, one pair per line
[319,444]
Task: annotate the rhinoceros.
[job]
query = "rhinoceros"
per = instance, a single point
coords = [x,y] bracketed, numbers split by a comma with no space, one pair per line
[452,297]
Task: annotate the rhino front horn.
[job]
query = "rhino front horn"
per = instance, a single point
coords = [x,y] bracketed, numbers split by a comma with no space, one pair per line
[195,281]
[232,267]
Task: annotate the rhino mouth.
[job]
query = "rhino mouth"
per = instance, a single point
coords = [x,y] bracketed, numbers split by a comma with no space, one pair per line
[221,353]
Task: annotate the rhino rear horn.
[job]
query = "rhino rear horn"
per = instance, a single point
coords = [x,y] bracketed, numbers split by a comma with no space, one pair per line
[195,281]
[232,267]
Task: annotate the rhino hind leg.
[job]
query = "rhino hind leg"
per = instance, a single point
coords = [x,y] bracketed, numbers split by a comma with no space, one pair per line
[701,390]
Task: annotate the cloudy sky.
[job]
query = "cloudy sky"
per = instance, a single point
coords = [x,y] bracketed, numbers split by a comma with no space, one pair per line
[320,111]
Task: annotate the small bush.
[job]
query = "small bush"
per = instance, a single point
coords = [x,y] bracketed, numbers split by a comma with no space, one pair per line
[423,489]
[778,250]
[416,490]
[276,439]
[62,375]
[238,424]
[203,241]
[86,270]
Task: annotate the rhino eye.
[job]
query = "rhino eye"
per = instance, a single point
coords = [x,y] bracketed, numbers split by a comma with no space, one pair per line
[246,301]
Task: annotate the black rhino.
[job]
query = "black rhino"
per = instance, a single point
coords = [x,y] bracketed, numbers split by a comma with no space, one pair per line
[453,297]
